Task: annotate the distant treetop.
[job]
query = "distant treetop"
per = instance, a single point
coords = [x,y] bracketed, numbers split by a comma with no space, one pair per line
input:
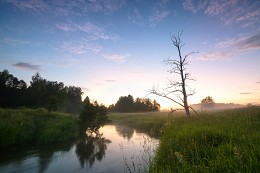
[128,104]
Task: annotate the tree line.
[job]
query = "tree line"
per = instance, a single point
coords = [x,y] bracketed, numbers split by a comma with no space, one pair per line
[128,104]
[55,96]
[41,93]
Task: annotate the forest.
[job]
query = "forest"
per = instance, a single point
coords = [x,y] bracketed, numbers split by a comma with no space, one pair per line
[55,96]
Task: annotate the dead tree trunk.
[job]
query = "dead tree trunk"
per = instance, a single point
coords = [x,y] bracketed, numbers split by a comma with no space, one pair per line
[178,88]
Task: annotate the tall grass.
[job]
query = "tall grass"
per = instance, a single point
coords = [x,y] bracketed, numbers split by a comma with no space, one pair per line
[223,141]
[26,126]
[141,160]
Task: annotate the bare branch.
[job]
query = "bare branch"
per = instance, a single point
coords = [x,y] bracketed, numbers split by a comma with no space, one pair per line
[174,71]
[192,92]
[173,92]
[178,67]
[173,110]
[153,91]
[186,77]
[170,61]
[193,110]
[174,84]
[186,56]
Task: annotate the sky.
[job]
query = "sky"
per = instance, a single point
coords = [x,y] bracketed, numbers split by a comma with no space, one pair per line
[112,48]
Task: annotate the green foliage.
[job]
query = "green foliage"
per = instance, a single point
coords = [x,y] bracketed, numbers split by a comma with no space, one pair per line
[53,105]
[51,95]
[93,116]
[224,141]
[12,90]
[26,126]
[127,104]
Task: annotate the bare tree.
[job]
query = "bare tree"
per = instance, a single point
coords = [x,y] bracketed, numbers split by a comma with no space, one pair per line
[177,88]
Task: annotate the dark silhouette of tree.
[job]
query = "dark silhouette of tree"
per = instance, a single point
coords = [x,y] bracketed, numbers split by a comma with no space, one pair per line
[72,100]
[128,104]
[125,104]
[51,95]
[93,116]
[53,105]
[68,98]
[12,90]
[178,88]
[37,92]
[208,102]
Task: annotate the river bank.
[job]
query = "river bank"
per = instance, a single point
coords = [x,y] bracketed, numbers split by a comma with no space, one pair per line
[115,150]
[23,127]
[219,141]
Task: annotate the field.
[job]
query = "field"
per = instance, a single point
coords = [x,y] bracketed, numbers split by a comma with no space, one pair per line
[21,127]
[221,141]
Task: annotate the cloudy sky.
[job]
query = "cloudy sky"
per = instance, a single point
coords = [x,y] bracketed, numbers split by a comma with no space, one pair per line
[113,48]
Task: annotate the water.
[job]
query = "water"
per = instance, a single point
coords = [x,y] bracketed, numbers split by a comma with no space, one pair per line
[119,149]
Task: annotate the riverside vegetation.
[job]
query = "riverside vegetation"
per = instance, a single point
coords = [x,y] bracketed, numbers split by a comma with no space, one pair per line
[25,127]
[221,141]
[21,127]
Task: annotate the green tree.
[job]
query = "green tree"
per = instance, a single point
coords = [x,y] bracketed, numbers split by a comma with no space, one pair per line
[125,104]
[37,92]
[12,90]
[93,116]
[53,104]
[73,103]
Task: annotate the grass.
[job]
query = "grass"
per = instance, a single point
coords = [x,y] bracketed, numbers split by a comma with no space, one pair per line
[21,127]
[222,141]
[142,159]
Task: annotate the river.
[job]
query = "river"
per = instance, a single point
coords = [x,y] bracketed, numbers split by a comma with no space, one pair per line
[119,149]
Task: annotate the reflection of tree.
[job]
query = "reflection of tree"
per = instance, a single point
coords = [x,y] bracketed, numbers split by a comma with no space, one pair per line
[46,153]
[125,131]
[91,148]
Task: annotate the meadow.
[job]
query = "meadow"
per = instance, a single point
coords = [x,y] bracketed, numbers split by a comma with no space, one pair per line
[217,141]
[23,127]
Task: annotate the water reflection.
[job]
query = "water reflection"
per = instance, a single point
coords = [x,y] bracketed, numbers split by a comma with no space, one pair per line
[125,131]
[46,154]
[93,153]
[91,148]
[31,158]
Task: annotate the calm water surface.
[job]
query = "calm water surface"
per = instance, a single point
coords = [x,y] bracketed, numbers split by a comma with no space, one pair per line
[117,148]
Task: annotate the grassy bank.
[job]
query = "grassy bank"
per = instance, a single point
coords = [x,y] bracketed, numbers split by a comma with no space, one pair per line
[23,127]
[150,122]
[223,141]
